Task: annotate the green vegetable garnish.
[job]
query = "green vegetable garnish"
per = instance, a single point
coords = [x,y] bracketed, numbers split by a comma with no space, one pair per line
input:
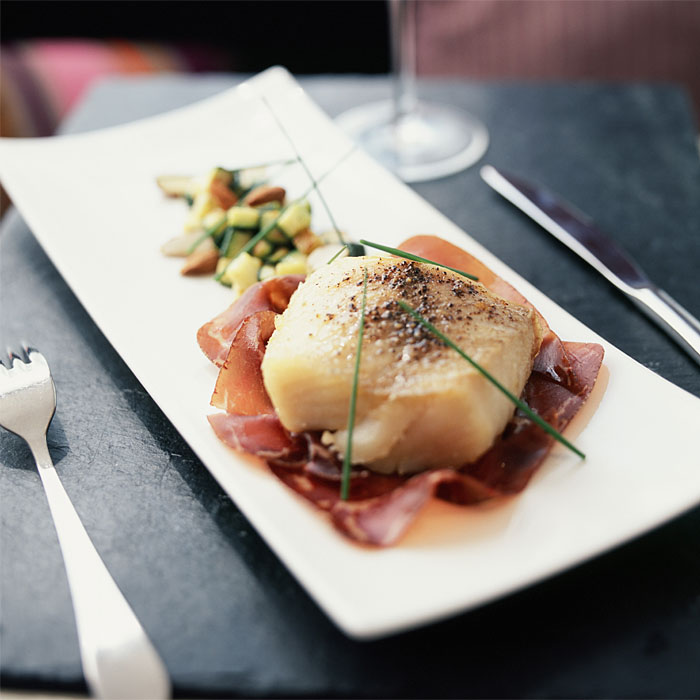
[211,231]
[520,404]
[416,258]
[257,237]
[303,165]
[264,231]
[347,459]
[226,241]
[345,247]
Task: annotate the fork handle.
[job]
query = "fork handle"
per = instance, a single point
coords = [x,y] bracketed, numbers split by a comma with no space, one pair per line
[118,659]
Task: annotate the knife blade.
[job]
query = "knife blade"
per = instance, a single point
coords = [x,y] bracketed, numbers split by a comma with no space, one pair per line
[579,233]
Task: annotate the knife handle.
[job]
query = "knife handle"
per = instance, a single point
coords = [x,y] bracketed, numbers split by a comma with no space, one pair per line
[683,327]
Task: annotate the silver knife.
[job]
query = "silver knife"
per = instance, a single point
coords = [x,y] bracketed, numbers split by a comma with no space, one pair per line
[581,235]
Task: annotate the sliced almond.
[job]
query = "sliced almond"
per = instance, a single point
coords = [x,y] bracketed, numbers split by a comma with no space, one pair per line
[201,262]
[306,241]
[179,246]
[222,194]
[264,194]
[174,185]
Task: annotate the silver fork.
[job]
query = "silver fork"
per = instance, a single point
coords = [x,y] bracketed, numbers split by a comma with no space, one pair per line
[118,659]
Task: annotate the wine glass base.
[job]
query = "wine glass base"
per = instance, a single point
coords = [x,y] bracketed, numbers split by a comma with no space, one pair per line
[429,142]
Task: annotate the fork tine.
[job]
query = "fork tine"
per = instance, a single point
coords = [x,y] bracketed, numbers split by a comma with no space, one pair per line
[37,359]
[21,355]
[32,353]
[13,356]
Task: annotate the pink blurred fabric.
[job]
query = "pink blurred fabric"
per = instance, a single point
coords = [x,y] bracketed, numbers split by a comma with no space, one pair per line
[41,79]
[66,68]
[648,40]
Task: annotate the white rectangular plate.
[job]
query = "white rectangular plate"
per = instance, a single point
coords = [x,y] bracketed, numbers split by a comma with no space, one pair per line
[92,202]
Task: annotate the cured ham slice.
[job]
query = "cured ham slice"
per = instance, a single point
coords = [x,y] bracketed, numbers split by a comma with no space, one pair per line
[215,337]
[262,436]
[382,506]
[239,387]
[440,251]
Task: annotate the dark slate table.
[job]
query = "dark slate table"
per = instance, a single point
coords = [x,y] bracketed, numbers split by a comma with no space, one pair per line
[227,617]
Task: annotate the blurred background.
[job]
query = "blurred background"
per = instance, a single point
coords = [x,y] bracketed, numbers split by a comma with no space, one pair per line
[51,51]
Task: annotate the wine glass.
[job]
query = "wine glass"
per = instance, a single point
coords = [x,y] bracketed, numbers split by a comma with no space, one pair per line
[416,140]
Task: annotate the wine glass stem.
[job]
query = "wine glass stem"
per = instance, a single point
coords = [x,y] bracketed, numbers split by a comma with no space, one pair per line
[402,23]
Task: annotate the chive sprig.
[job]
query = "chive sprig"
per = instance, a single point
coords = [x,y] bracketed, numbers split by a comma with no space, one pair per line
[262,233]
[345,247]
[306,168]
[211,231]
[415,258]
[520,404]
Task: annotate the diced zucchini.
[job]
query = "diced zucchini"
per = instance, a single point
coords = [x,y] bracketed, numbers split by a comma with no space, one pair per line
[216,217]
[266,218]
[296,218]
[241,273]
[292,264]
[238,240]
[203,203]
[262,249]
[243,217]
[277,255]
[306,241]
[276,236]
[265,272]
[221,266]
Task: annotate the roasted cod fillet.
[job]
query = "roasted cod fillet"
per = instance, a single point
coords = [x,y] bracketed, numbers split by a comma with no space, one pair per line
[420,405]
